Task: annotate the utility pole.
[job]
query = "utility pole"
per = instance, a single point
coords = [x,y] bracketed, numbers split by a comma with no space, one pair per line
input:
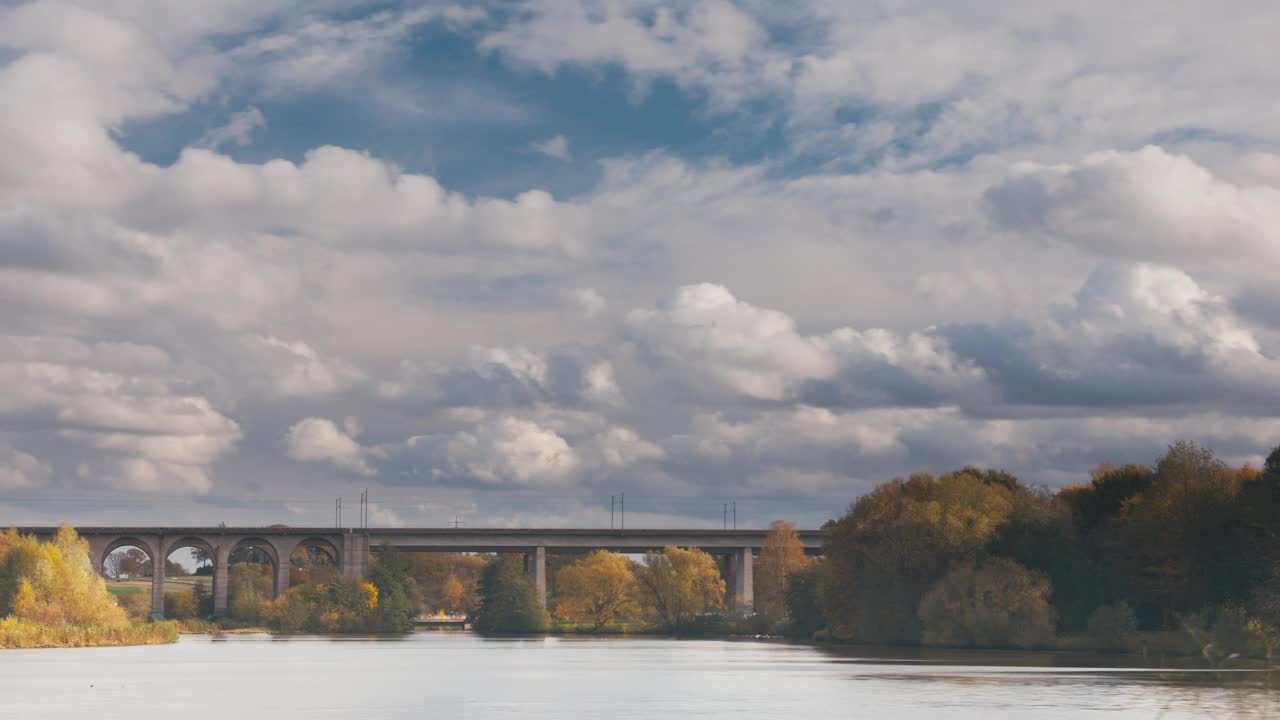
[726,516]
[611,499]
[735,514]
[624,511]
[339,513]
[337,517]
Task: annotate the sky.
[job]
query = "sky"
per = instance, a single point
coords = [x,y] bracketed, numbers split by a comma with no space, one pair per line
[502,261]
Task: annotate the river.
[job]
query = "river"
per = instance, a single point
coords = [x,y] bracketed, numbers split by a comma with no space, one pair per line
[461,675]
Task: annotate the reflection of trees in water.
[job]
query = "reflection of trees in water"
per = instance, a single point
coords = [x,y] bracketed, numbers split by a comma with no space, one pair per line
[1242,693]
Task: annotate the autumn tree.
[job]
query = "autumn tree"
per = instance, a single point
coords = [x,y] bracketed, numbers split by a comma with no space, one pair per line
[678,584]
[431,573]
[1179,546]
[781,554]
[1040,534]
[998,603]
[598,590]
[1110,488]
[896,542]
[54,583]
[454,597]
[397,596]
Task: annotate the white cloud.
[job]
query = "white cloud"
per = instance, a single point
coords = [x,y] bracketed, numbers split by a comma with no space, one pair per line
[137,474]
[136,412]
[320,440]
[19,470]
[746,349]
[588,300]
[703,42]
[512,451]
[759,353]
[238,130]
[295,369]
[556,147]
[1146,205]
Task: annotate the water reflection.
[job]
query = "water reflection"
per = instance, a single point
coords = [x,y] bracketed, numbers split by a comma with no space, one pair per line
[461,674]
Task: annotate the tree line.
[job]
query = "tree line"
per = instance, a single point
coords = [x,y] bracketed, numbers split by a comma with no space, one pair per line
[1189,546]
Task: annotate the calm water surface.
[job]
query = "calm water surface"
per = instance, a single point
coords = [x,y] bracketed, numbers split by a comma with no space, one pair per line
[460,675]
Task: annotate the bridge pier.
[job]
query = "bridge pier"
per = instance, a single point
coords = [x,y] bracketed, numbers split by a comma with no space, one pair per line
[282,577]
[157,581]
[221,576]
[355,554]
[535,564]
[743,582]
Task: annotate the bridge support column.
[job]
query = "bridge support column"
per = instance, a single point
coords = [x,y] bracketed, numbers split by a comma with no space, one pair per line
[535,564]
[282,576]
[355,555]
[221,576]
[743,582]
[157,581]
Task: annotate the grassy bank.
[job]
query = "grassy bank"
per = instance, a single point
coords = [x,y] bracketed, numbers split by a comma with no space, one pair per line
[16,633]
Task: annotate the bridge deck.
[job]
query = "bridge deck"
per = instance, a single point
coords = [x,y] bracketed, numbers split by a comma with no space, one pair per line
[480,539]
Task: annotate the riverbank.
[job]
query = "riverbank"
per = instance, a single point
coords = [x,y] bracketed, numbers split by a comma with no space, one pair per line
[17,634]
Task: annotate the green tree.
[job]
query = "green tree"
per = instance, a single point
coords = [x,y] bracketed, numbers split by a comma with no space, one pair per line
[804,612]
[679,584]
[996,604]
[508,601]
[390,575]
[598,590]
[781,554]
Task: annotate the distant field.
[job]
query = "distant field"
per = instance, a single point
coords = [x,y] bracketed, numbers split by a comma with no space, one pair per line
[143,585]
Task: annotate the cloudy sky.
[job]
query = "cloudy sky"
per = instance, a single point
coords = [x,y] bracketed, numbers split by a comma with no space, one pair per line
[501,260]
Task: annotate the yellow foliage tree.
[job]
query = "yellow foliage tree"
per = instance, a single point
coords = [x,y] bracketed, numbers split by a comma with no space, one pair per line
[598,590]
[680,584]
[781,555]
[54,583]
[454,598]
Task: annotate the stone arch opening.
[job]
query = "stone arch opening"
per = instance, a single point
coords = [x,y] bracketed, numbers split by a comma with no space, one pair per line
[189,574]
[128,566]
[253,578]
[126,558]
[314,560]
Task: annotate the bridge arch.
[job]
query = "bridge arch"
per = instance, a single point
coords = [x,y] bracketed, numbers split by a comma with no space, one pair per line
[123,541]
[311,559]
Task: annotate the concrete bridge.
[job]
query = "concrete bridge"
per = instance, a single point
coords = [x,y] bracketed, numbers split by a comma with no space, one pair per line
[349,549]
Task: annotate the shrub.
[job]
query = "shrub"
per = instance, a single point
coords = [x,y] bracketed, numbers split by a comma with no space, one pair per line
[137,606]
[710,625]
[997,604]
[250,587]
[340,605]
[181,605]
[1113,626]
